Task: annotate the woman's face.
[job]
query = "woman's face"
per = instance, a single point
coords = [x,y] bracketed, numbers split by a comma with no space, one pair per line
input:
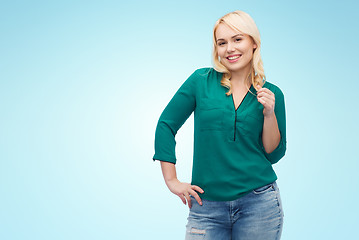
[234,48]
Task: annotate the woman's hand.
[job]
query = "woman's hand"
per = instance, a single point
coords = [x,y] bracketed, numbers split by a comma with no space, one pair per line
[267,98]
[184,190]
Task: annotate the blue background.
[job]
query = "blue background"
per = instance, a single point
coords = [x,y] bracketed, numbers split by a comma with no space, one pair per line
[83,83]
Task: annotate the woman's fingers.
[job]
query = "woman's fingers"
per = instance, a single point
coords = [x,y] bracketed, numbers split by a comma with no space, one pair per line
[188,199]
[195,195]
[182,198]
[264,103]
[266,95]
[265,92]
[261,90]
[188,190]
[266,99]
[198,189]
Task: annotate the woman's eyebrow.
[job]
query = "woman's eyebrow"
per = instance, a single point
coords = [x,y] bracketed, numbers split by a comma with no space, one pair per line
[232,37]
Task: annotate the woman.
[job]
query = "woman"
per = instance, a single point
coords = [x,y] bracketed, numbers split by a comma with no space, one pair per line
[239,132]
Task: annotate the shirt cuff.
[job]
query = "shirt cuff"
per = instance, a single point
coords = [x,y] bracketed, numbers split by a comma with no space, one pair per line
[277,153]
[164,159]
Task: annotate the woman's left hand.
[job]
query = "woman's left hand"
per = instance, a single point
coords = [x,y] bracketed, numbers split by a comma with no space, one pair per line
[267,99]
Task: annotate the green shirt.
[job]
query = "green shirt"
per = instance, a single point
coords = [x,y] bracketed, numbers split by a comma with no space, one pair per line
[229,159]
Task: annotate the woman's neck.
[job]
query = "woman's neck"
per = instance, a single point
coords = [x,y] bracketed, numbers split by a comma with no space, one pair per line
[240,78]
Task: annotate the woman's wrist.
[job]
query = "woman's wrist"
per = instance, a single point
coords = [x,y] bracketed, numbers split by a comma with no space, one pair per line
[171,182]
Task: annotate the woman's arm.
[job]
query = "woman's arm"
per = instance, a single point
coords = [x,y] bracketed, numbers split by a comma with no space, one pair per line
[182,190]
[274,138]
[271,134]
[177,111]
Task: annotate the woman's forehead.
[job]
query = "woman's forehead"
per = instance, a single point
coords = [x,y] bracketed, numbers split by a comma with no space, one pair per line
[224,31]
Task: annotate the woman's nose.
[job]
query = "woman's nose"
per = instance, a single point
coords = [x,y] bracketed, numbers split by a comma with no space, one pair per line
[230,47]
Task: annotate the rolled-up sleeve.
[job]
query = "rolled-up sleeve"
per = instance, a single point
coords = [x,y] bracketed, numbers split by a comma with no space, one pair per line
[173,117]
[279,110]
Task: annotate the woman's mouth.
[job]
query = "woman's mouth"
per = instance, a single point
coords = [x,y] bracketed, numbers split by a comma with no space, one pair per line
[233,58]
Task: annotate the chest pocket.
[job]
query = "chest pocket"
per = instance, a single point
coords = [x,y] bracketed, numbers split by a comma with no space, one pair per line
[252,125]
[211,115]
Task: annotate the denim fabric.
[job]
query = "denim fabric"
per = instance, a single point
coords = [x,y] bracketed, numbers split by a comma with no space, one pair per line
[257,215]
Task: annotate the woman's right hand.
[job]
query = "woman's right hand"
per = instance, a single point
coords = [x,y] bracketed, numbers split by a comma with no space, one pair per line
[184,190]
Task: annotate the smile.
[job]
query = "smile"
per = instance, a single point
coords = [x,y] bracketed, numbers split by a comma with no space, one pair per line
[234,58]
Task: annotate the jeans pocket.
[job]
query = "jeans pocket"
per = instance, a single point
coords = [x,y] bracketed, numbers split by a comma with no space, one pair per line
[263,189]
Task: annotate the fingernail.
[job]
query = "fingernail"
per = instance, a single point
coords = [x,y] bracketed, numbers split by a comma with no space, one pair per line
[200,203]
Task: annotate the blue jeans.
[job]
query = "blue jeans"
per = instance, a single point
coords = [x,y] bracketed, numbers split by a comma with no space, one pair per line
[257,215]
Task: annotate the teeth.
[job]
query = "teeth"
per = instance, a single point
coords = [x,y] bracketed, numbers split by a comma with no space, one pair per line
[235,57]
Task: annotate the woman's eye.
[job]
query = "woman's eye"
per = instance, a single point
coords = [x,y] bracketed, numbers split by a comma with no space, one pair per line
[220,44]
[238,39]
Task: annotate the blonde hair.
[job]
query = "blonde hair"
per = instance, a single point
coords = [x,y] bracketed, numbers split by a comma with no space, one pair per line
[240,21]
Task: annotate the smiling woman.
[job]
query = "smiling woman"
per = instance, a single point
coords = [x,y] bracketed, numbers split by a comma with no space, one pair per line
[237,138]
[227,46]
[237,32]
